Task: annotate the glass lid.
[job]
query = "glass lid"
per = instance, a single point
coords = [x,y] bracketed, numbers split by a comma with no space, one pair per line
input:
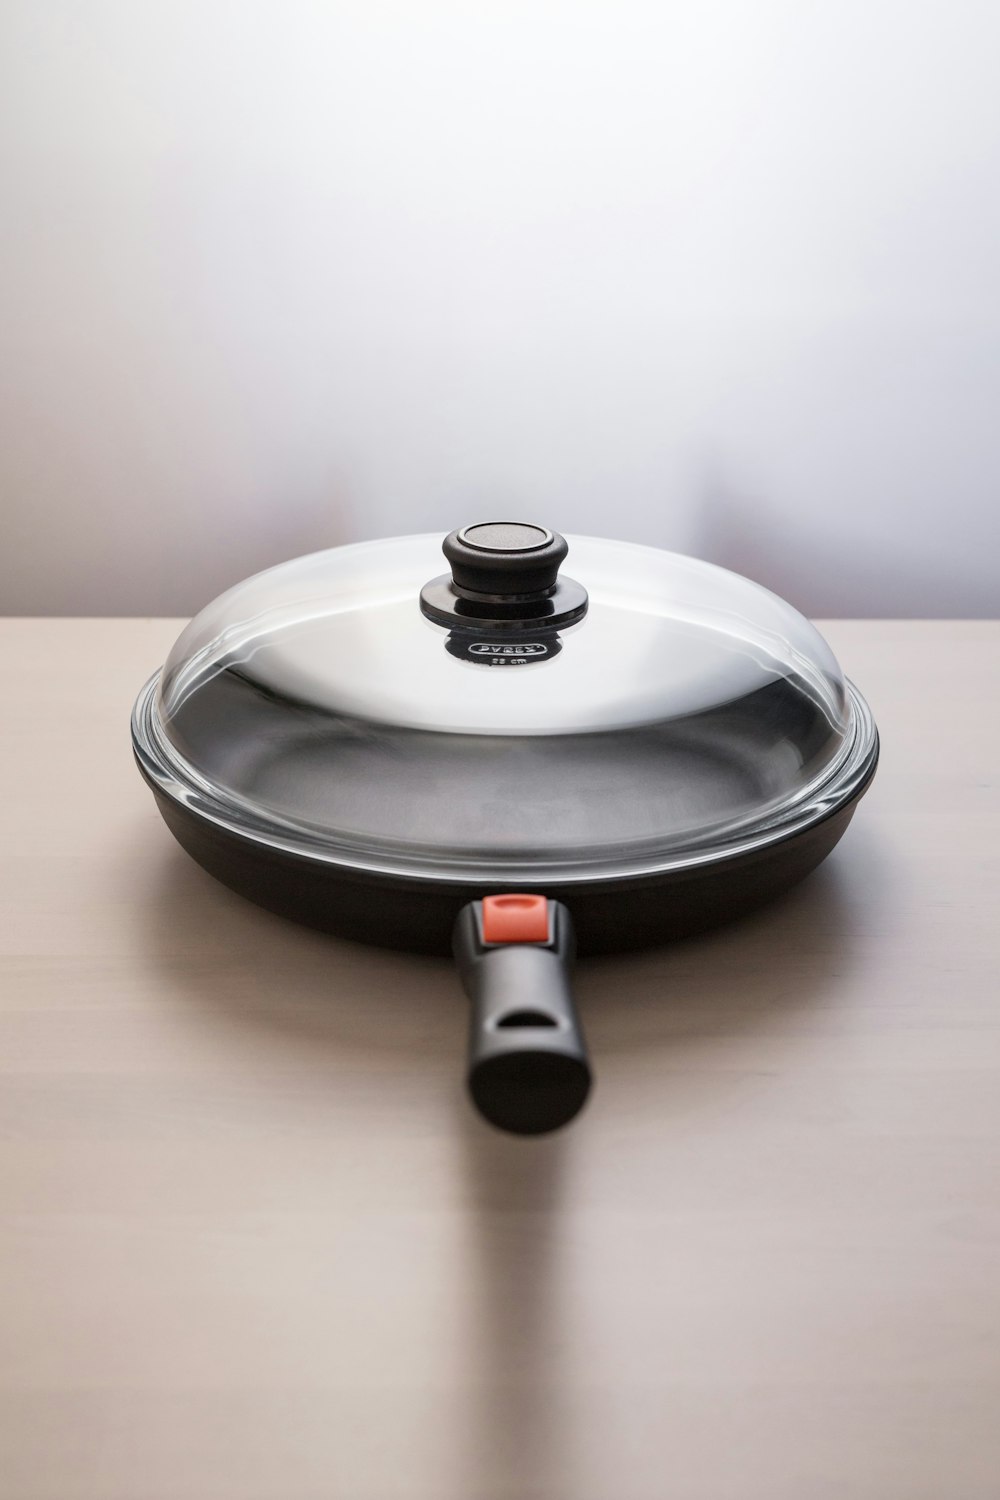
[512,719]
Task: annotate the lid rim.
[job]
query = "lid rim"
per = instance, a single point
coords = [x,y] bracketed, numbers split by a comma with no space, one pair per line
[848,778]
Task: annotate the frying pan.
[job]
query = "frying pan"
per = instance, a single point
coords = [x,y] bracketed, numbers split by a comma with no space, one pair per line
[507,762]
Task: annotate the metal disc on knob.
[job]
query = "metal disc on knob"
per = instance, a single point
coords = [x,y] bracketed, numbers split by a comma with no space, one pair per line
[504,536]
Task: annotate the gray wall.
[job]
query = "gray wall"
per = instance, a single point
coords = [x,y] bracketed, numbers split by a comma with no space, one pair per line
[719,275]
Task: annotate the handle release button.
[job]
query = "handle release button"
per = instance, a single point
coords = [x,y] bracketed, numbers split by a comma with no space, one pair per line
[516,919]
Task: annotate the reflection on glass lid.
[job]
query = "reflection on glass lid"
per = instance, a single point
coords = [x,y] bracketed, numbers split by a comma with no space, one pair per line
[317,705]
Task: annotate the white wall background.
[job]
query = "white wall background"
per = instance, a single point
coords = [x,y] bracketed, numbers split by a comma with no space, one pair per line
[719,275]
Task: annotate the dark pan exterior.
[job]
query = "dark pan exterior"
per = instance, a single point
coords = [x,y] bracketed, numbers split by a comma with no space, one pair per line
[415,914]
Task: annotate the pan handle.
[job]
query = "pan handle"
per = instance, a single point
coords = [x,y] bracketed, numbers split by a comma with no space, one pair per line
[528,1069]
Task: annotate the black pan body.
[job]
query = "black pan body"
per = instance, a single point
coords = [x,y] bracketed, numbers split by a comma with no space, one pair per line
[419,914]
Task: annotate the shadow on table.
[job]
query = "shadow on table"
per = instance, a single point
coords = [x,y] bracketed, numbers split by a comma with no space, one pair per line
[519,1193]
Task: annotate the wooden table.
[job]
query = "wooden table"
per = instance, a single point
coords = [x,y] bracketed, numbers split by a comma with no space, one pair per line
[256,1247]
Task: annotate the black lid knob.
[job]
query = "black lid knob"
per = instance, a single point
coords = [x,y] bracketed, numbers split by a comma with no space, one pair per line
[504,577]
[505,559]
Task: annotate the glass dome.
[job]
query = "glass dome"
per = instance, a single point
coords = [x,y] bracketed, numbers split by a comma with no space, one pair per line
[661,712]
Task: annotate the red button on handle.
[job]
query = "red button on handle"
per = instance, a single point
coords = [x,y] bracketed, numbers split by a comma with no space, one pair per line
[515,919]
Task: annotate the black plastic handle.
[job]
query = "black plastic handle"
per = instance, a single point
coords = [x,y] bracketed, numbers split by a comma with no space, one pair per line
[528,1069]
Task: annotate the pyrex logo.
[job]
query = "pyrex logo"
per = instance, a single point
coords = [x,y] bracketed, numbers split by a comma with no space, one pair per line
[522,648]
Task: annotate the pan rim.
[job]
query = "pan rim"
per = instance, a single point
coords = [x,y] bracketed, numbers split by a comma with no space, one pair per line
[849,778]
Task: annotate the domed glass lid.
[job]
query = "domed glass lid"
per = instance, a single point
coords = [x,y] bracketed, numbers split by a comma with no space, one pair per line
[518,718]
